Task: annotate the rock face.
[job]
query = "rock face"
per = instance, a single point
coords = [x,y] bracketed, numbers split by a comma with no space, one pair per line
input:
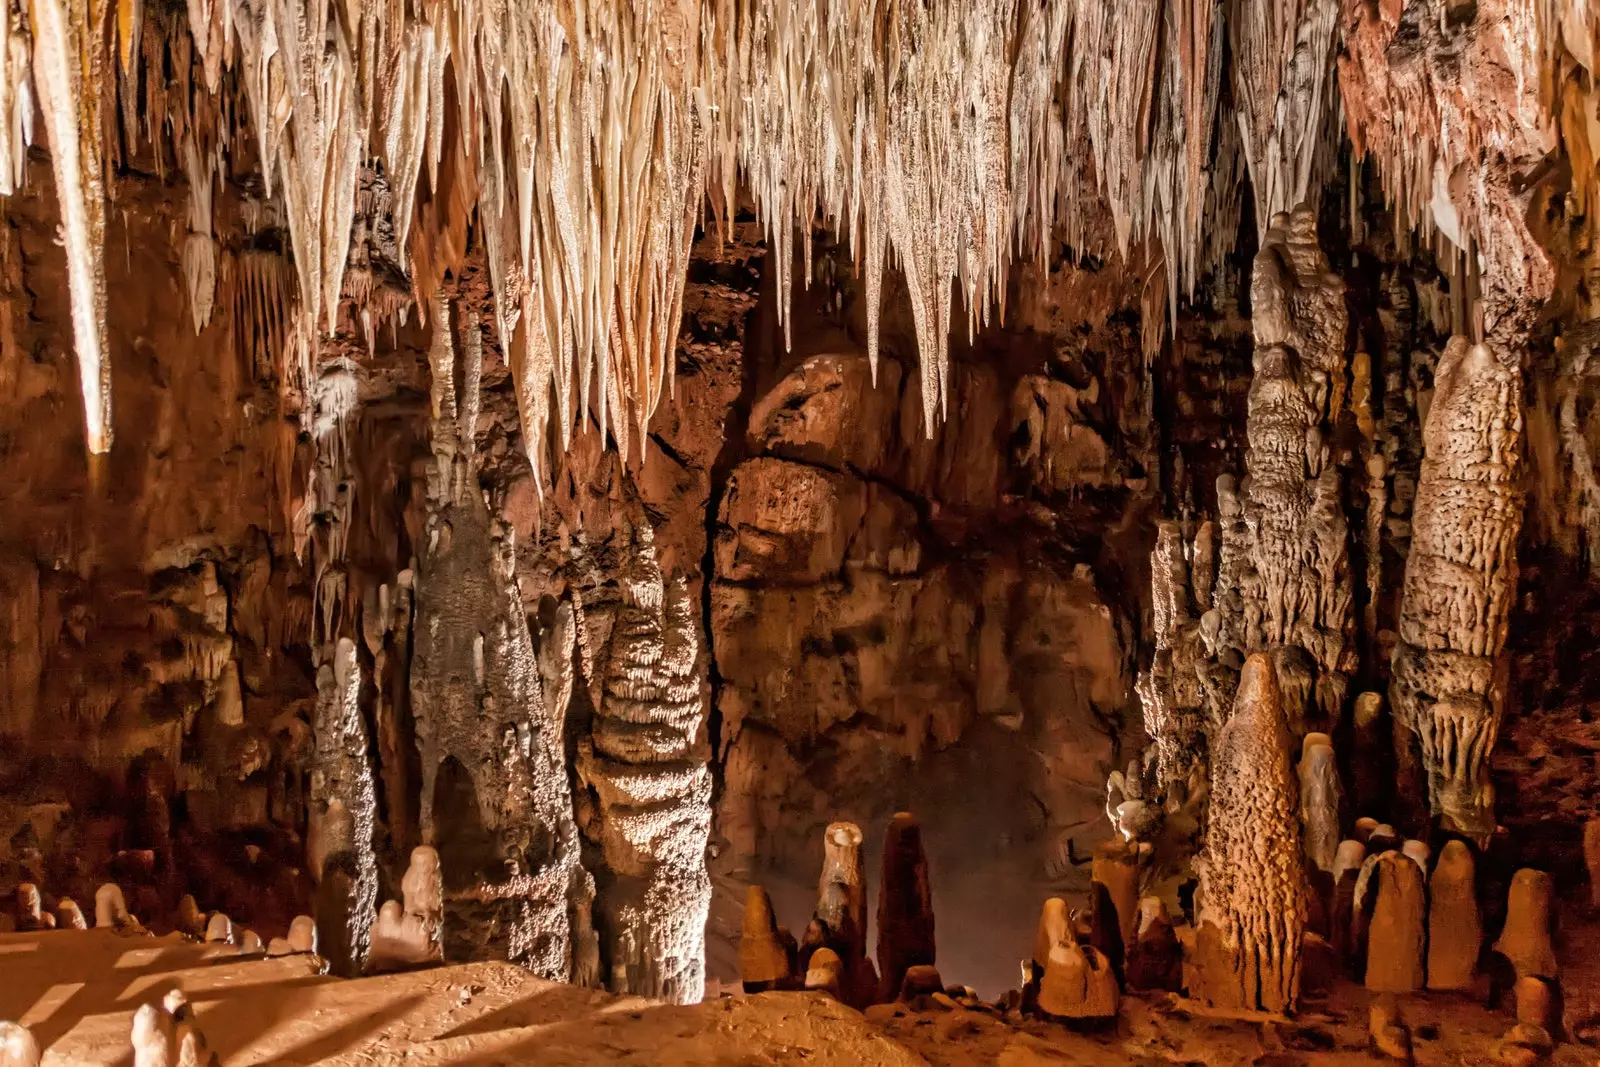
[495,798]
[1251,904]
[648,789]
[1460,585]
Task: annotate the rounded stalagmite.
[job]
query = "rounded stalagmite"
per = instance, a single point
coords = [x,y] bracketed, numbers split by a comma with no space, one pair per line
[763,961]
[1395,935]
[1454,933]
[905,906]
[1525,939]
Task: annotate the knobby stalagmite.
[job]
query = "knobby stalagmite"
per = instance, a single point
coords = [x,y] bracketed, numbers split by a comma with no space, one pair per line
[645,768]
[1251,903]
[495,799]
[1448,691]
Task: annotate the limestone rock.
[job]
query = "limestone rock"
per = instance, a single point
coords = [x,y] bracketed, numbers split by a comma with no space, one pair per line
[30,908]
[905,905]
[1525,939]
[1395,936]
[250,944]
[825,971]
[1387,1030]
[1155,961]
[110,909]
[1454,933]
[1534,1002]
[1251,903]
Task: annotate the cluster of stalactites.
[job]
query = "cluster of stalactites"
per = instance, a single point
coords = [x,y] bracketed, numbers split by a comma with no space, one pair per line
[955,136]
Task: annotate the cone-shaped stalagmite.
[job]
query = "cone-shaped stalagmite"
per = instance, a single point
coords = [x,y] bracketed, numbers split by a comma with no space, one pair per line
[1395,935]
[1076,981]
[763,961]
[1525,939]
[905,905]
[1454,935]
[1251,902]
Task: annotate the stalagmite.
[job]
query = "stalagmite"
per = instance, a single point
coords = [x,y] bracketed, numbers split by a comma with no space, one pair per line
[1114,905]
[1155,960]
[646,768]
[302,934]
[825,971]
[344,814]
[1302,595]
[250,944]
[1347,865]
[1398,927]
[1534,1002]
[505,830]
[1251,904]
[219,928]
[408,933]
[762,960]
[110,908]
[1319,801]
[1460,584]
[191,920]
[1454,933]
[905,905]
[1525,938]
[69,916]
[18,1047]
[1418,853]
[30,908]
[1371,743]
[842,904]
[1078,982]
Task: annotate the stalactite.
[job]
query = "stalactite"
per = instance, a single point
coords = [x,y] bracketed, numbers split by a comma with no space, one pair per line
[1460,584]
[69,68]
[649,786]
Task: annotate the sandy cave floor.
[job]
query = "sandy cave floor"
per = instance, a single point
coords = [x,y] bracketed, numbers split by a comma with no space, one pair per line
[78,990]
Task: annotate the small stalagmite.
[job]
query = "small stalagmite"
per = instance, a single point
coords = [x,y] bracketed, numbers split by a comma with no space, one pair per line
[842,890]
[250,944]
[30,908]
[1372,740]
[1320,799]
[1347,863]
[1155,961]
[69,916]
[279,946]
[409,934]
[1535,1003]
[825,971]
[303,934]
[1395,935]
[1525,939]
[219,928]
[763,962]
[110,908]
[1078,983]
[1454,933]
[1387,1030]
[17,1046]
[1417,852]
[191,920]
[1055,924]
[905,905]
[1114,911]
[1364,828]
[1251,902]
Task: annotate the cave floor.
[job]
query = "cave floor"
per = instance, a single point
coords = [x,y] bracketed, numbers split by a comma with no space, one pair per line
[77,991]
